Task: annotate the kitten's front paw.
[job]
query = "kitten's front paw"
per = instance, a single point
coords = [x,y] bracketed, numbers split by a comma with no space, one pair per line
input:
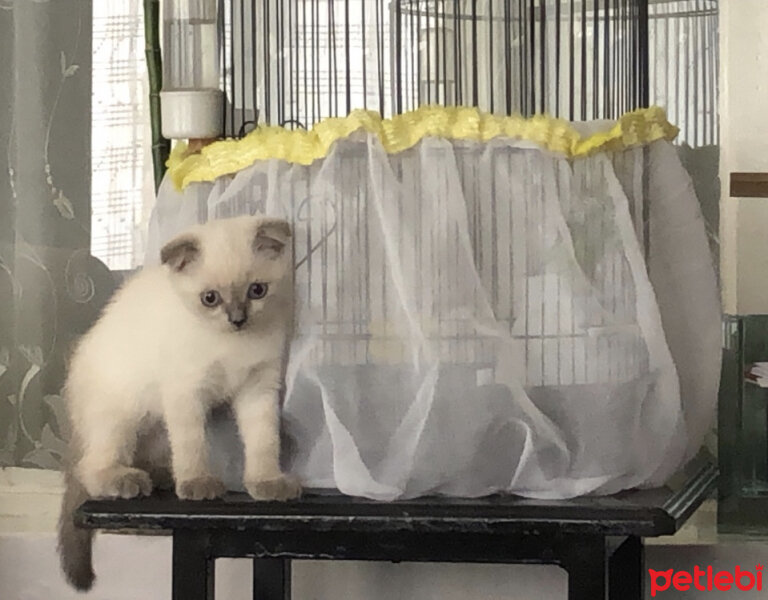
[282,488]
[123,483]
[200,488]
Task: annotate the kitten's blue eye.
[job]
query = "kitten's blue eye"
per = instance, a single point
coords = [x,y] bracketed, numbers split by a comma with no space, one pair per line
[210,298]
[256,291]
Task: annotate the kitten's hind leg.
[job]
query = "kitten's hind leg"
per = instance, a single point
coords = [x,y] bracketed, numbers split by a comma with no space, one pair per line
[105,467]
[153,454]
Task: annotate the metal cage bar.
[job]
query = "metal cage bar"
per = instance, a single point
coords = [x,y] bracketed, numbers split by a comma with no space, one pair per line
[295,62]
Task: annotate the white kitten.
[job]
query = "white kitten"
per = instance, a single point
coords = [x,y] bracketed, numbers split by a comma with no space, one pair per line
[207,327]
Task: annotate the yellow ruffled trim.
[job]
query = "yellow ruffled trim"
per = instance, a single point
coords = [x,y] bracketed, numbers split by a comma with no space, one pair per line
[406,130]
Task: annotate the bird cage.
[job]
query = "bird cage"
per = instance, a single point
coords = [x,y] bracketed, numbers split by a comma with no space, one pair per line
[296,63]
[684,65]
[538,260]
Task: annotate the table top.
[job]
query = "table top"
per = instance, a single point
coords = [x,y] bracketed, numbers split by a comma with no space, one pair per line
[646,513]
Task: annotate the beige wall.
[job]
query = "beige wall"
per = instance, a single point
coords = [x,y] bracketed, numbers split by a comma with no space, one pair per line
[744,147]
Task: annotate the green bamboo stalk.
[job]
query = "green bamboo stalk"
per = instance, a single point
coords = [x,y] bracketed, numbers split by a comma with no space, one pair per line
[161,147]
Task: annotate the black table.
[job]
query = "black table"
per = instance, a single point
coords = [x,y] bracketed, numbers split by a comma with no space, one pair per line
[598,541]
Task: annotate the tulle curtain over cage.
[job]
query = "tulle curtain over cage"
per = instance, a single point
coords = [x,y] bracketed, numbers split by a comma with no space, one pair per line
[484,304]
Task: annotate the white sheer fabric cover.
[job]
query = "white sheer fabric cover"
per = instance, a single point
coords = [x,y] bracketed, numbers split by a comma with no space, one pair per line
[479,317]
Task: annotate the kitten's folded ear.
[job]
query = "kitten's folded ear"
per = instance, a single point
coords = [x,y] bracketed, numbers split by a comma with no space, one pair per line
[180,252]
[272,235]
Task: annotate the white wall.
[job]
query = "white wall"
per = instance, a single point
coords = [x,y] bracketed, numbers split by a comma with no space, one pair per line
[744,147]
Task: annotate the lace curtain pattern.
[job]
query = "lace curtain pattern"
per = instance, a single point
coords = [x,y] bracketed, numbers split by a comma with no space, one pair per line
[51,285]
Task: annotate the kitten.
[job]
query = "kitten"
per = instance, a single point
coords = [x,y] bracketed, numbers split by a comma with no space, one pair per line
[207,328]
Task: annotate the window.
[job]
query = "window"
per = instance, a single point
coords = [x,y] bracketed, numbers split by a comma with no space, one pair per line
[121,174]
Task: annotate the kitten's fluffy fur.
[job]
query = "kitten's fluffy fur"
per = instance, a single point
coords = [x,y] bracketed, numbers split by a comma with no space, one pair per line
[159,360]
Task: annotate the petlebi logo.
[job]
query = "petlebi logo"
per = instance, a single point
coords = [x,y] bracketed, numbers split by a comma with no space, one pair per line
[707,580]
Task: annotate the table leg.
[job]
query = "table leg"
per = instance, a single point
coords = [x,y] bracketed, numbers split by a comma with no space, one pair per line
[271,579]
[626,571]
[585,562]
[193,566]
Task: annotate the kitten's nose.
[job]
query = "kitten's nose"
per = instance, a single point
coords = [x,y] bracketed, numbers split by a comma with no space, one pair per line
[237,316]
[238,322]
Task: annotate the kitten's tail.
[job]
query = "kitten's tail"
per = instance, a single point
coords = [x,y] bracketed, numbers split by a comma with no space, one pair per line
[75,543]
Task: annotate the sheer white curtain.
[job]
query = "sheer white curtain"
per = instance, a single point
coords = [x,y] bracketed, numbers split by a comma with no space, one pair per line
[122,187]
[482,317]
